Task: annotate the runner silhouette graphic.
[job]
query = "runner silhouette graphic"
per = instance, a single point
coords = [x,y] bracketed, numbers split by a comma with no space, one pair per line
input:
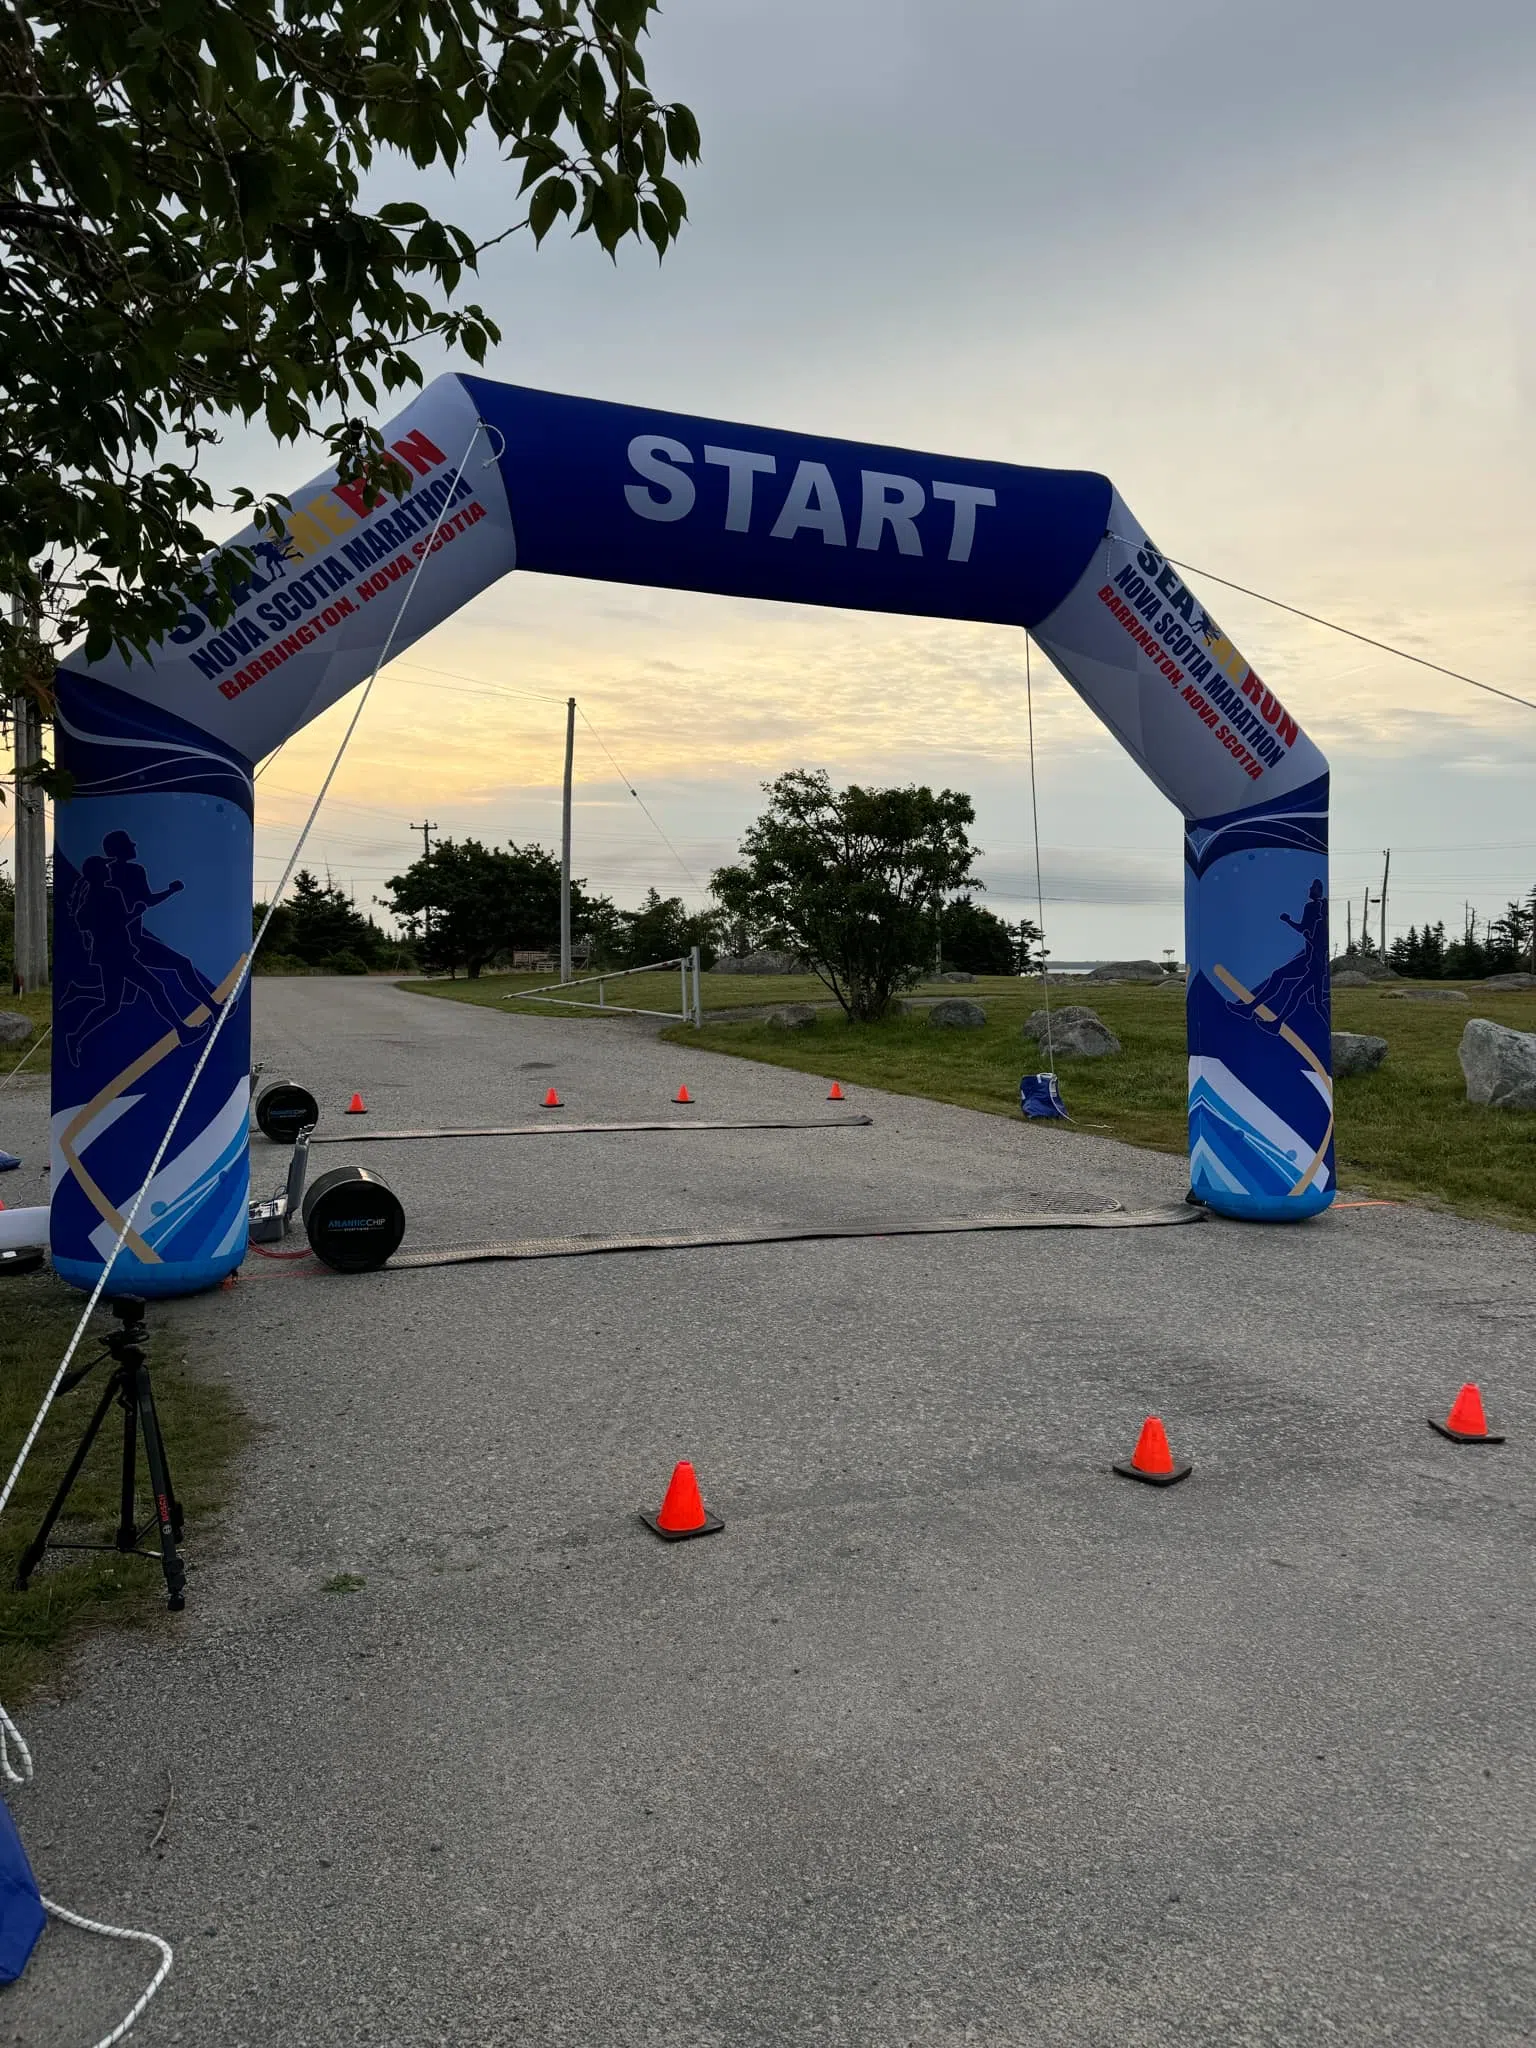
[176,972]
[106,907]
[1296,984]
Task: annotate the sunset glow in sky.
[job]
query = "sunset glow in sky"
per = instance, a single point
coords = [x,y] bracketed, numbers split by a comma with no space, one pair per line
[1266,268]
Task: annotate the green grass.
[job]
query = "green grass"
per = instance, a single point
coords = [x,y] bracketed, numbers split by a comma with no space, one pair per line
[1406,1132]
[39,1008]
[203,1427]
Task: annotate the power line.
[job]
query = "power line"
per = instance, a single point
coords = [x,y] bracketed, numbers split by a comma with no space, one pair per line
[478,685]
[640,800]
[1385,646]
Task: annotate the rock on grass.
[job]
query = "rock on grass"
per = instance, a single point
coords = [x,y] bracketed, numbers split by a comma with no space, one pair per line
[1500,1064]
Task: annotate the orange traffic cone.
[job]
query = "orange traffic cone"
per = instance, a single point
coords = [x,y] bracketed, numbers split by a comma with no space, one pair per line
[835,1093]
[1152,1460]
[1466,1423]
[355,1107]
[552,1101]
[683,1512]
[682,1094]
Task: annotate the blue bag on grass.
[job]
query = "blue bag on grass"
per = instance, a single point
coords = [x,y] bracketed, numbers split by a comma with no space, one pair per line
[21,1909]
[1038,1096]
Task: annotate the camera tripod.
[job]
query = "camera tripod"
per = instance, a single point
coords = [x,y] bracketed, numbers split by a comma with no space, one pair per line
[128,1385]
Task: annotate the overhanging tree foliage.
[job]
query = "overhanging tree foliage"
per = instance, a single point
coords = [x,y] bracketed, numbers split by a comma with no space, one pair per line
[184,240]
[852,880]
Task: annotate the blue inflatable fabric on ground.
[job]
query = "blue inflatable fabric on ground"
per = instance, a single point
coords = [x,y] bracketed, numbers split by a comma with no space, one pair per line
[22,1918]
[1039,1096]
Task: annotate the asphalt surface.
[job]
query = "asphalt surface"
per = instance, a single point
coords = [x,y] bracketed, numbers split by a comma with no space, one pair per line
[950,1737]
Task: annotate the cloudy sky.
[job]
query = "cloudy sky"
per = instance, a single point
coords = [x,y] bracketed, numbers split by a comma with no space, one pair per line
[1269,268]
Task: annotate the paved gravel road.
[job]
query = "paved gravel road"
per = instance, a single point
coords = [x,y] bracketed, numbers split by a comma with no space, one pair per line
[950,1737]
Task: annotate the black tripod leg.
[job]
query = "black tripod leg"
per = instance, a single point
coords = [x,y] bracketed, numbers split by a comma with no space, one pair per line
[128,1513]
[160,1485]
[178,1521]
[31,1557]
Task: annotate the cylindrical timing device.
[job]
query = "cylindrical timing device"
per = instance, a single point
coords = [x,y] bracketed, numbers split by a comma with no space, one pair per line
[353,1220]
[283,1109]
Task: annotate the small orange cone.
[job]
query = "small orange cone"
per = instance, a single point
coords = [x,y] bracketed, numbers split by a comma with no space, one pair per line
[1152,1460]
[683,1512]
[552,1101]
[1466,1423]
[355,1107]
[835,1093]
[682,1094]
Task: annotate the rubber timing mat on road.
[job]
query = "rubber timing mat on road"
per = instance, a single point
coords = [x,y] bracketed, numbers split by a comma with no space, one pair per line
[797,1123]
[698,1240]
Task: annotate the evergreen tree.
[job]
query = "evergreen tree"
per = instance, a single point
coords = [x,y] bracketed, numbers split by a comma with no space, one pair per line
[974,940]
[318,926]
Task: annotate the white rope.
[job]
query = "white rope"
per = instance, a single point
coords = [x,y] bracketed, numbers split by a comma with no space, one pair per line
[36,1046]
[218,1023]
[167,1957]
[1034,812]
[9,1732]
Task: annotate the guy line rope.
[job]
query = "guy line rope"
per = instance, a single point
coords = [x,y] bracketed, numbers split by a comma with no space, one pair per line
[9,1733]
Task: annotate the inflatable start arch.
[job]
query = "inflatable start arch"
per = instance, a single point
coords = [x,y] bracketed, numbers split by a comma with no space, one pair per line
[152,865]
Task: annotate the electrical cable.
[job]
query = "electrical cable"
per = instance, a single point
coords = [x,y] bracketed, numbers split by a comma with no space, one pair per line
[224,1011]
[640,800]
[1333,626]
[1109,1218]
[808,1123]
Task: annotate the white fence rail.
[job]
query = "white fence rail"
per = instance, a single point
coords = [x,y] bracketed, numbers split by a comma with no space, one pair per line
[687,964]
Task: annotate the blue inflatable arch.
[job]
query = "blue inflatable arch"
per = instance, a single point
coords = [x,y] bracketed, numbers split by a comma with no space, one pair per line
[153,878]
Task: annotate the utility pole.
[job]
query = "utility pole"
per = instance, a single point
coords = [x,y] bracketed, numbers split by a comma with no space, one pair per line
[565,842]
[426,830]
[30,971]
[1385,871]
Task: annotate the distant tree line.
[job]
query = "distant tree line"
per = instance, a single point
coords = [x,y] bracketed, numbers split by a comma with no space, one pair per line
[1506,946]
[317,928]
[871,888]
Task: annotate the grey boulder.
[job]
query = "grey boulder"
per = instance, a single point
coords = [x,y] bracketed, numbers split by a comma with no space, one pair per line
[1426,995]
[1074,1033]
[1369,965]
[957,974]
[792,1017]
[1057,1015]
[1356,1052]
[956,1013]
[1500,1064]
[14,1028]
[1126,970]
[1350,977]
[757,963]
[1510,981]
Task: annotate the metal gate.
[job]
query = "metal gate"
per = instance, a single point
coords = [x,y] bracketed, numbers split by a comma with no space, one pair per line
[687,964]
